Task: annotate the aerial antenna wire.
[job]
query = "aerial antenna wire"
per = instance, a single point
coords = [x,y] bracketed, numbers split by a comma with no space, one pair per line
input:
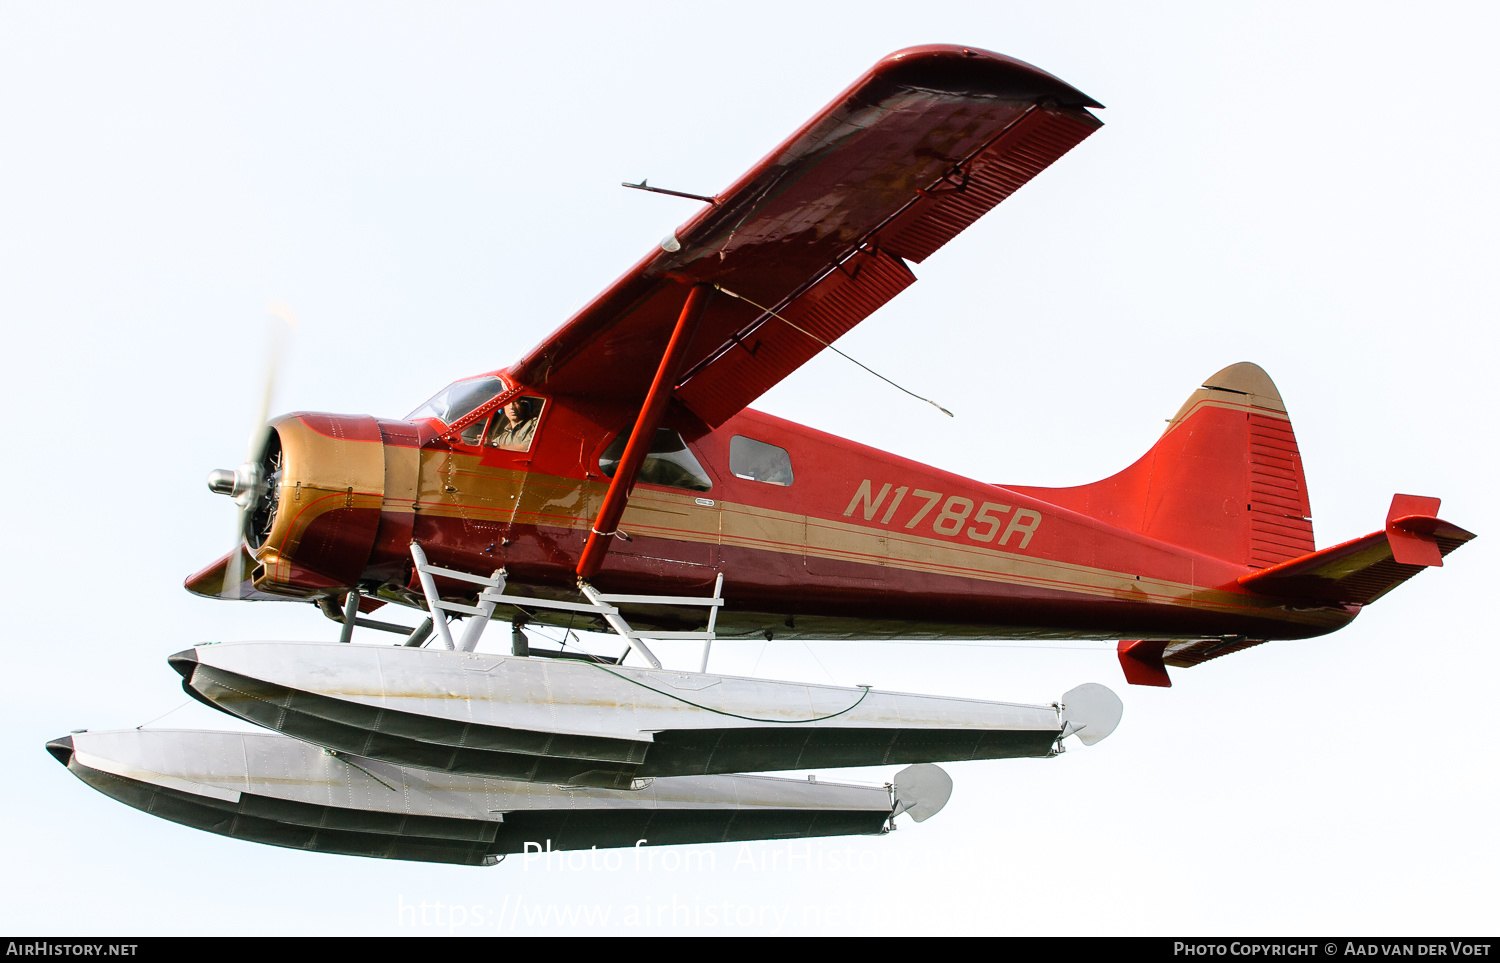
[741,297]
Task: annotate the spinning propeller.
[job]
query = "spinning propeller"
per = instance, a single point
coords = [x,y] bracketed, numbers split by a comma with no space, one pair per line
[253,484]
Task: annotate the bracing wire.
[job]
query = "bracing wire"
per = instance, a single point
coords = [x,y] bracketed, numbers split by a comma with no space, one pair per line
[164,714]
[830,347]
[349,762]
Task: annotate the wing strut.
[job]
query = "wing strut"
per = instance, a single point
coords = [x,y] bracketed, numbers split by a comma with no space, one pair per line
[639,445]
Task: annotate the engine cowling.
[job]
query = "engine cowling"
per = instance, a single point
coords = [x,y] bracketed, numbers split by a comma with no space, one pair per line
[321,513]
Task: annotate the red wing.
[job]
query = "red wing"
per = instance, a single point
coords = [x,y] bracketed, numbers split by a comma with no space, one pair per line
[820,231]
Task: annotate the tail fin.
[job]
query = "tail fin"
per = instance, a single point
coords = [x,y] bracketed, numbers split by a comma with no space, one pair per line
[1225,479]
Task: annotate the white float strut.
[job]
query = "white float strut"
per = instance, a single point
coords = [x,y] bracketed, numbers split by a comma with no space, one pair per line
[713,617]
[612,616]
[429,589]
[477,623]
[492,594]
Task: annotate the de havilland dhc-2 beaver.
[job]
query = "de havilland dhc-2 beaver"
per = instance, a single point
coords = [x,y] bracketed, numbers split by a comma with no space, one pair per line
[613,479]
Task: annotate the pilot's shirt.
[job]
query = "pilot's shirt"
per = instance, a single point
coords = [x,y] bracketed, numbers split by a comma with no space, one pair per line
[515,437]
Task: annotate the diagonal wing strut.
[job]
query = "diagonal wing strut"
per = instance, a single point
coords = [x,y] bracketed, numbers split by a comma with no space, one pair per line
[636,449]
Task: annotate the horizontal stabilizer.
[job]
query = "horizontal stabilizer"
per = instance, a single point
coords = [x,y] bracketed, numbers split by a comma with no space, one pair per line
[1360,571]
[1142,661]
[1354,573]
[1145,661]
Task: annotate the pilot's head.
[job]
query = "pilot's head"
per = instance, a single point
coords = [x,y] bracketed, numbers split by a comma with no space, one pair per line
[518,411]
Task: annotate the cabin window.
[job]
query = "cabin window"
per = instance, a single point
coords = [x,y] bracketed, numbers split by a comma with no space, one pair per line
[669,462]
[759,461]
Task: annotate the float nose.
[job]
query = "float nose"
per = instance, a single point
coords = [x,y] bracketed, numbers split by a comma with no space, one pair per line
[184,662]
[61,749]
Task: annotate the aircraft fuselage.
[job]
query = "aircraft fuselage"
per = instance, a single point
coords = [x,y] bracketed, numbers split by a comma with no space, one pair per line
[835,540]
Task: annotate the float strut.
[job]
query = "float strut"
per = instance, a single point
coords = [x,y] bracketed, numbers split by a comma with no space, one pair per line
[351,612]
[420,633]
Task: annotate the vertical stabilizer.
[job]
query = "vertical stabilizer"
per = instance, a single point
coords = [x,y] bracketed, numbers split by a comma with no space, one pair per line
[1225,479]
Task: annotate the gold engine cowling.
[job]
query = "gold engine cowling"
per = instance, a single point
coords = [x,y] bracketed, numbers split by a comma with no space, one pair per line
[328,486]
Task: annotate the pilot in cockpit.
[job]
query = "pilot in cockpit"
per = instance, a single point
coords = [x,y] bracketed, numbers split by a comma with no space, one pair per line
[515,425]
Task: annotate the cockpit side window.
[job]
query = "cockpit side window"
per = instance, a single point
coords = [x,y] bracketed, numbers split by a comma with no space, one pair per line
[510,428]
[514,425]
[669,462]
[759,461]
[472,434]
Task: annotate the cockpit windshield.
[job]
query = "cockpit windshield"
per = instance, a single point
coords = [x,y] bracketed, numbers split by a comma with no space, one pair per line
[458,399]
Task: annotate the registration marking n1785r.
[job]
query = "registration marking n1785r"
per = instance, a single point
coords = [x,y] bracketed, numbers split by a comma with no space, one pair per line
[951,519]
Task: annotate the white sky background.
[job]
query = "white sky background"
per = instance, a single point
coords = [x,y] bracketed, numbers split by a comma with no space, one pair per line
[435,187]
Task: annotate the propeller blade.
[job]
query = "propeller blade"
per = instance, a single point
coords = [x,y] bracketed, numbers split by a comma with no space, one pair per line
[234,573]
[260,432]
[276,342]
